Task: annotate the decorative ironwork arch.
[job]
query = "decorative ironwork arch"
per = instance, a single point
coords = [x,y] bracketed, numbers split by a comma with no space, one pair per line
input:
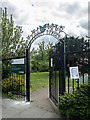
[47,29]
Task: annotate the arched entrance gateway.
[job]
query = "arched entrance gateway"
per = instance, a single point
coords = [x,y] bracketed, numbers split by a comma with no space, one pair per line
[56,63]
[68,65]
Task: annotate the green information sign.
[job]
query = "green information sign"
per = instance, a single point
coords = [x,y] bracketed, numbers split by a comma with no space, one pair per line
[18,68]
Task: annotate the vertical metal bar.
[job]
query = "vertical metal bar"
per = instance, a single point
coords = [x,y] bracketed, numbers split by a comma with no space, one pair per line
[68,82]
[28,75]
[61,82]
[64,54]
[59,72]
[55,84]
[19,85]
[24,76]
[68,70]
[89,60]
[73,86]
[78,84]
[59,86]
[83,59]
[12,81]
[49,76]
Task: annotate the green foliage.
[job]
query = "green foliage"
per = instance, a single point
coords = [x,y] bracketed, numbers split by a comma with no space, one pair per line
[40,57]
[6,69]
[12,42]
[43,66]
[10,95]
[75,106]
[12,84]
[76,45]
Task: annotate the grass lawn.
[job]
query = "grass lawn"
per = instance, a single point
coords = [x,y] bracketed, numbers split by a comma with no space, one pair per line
[39,80]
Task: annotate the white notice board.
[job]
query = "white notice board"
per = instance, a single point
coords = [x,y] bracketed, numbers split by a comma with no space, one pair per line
[51,62]
[74,72]
[18,61]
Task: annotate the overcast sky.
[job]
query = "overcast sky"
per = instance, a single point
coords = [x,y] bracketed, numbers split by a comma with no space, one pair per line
[32,13]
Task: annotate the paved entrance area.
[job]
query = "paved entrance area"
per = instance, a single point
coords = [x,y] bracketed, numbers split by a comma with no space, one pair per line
[41,99]
[40,107]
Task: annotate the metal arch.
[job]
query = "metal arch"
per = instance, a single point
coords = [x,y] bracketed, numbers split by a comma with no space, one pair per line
[52,30]
[34,38]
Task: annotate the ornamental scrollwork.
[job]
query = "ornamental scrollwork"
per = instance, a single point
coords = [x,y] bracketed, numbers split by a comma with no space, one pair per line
[47,29]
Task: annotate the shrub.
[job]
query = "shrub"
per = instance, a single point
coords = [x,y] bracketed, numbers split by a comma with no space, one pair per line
[12,84]
[43,66]
[6,70]
[75,106]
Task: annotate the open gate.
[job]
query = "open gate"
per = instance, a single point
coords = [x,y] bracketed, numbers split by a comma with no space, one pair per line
[16,77]
[56,60]
[69,53]
[56,72]
[76,54]
[14,80]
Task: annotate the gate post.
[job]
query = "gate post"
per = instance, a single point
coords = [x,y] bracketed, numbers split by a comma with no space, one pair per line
[27,75]
[64,50]
[49,76]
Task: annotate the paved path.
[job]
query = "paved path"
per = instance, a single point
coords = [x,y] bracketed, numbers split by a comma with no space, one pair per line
[40,98]
[36,109]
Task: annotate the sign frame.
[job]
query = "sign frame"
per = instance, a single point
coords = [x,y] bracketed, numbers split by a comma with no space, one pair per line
[74,72]
[51,62]
[18,61]
[18,66]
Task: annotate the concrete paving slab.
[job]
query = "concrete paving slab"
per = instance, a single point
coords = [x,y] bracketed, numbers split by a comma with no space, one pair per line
[33,112]
[40,107]
[22,110]
[9,113]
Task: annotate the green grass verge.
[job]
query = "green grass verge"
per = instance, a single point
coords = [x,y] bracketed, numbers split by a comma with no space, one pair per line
[39,80]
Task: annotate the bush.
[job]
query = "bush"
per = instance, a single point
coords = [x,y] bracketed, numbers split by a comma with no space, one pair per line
[6,70]
[75,106]
[12,84]
[43,66]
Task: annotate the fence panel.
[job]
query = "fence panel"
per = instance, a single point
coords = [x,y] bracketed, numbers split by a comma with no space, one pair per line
[75,52]
[56,67]
[14,77]
[76,55]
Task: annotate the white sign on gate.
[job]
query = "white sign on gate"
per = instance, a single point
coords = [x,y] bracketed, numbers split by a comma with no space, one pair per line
[18,61]
[74,72]
[51,62]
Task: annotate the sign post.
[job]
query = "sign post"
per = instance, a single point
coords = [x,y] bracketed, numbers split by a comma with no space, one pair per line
[74,74]
[28,75]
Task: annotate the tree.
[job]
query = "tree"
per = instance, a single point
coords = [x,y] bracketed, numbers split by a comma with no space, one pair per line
[40,57]
[77,53]
[12,40]
[41,50]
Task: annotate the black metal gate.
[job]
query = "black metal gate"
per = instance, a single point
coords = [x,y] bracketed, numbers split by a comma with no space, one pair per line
[56,74]
[77,54]
[69,52]
[14,78]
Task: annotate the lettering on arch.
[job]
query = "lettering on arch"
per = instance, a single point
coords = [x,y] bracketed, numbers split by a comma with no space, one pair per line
[47,29]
